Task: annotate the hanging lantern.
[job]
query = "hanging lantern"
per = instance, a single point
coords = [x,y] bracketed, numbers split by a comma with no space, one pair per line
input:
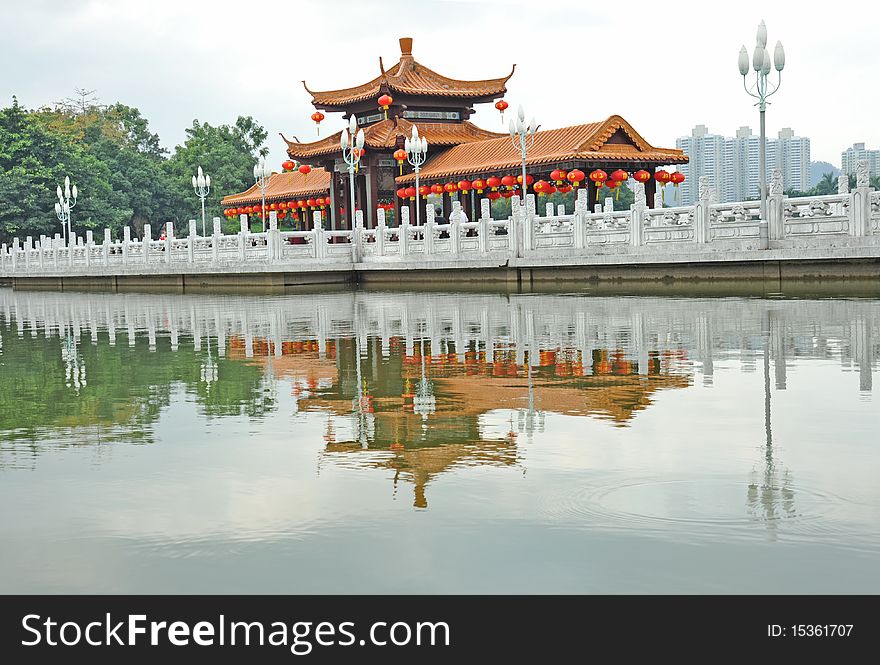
[541,187]
[424,190]
[662,177]
[248,210]
[642,176]
[464,185]
[317,117]
[282,205]
[501,105]
[305,169]
[494,182]
[676,178]
[551,189]
[558,175]
[400,156]
[411,193]
[401,193]
[507,194]
[565,189]
[598,177]
[529,180]
[450,188]
[437,188]
[508,181]
[619,175]
[479,184]
[575,177]
[301,204]
[273,206]
[493,196]
[288,165]
[384,102]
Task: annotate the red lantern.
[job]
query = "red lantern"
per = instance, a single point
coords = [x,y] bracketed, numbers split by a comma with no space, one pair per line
[676,178]
[598,177]
[508,181]
[575,177]
[619,175]
[642,176]
[662,176]
[317,116]
[558,175]
[400,156]
[501,105]
[450,188]
[493,196]
[464,185]
[541,187]
[282,205]
[401,193]
[424,190]
[565,189]
[310,203]
[288,165]
[300,203]
[437,188]
[305,169]
[494,182]
[273,206]
[411,193]
[249,210]
[479,184]
[384,102]
[529,180]
[507,194]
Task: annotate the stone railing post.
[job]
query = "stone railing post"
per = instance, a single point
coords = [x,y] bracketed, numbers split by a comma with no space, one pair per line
[169,239]
[126,241]
[549,210]
[403,232]
[191,241]
[105,247]
[581,217]
[637,215]
[455,230]
[526,224]
[90,242]
[215,241]
[71,246]
[319,238]
[380,232]
[3,255]
[843,184]
[860,202]
[357,236]
[430,224]
[701,212]
[243,232]
[776,208]
[658,199]
[145,242]
[40,252]
[272,237]
[14,254]
[485,218]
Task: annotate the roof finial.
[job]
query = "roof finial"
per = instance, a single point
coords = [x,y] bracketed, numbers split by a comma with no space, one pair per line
[406,45]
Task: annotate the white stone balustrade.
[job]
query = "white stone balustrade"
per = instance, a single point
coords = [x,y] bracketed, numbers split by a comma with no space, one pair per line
[843,220]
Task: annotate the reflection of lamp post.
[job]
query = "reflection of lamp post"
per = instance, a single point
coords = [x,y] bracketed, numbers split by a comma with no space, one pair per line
[64,205]
[262,173]
[202,186]
[208,369]
[761,89]
[416,152]
[74,369]
[424,402]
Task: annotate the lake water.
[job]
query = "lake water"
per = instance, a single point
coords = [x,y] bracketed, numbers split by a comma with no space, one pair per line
[360,442]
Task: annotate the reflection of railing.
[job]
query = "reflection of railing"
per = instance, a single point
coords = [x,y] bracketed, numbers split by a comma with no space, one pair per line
[848,219]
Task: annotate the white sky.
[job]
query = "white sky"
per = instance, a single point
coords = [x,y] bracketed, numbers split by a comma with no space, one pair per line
[663,66]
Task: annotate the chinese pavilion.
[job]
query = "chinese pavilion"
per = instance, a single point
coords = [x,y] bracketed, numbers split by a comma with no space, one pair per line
[462,157]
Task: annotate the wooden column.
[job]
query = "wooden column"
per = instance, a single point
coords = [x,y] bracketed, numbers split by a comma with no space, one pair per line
[335,201]
[372,193]
[650,189]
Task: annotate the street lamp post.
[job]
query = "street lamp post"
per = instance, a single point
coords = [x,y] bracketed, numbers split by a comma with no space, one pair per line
[523,137]
[262,173]
[66,201]
[761,89]
[352,142]
[202,186]
[416,149]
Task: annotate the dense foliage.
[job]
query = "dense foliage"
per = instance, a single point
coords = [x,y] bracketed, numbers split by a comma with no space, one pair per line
[123,174]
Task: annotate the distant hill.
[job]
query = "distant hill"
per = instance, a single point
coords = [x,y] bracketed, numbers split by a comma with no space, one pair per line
[818,169]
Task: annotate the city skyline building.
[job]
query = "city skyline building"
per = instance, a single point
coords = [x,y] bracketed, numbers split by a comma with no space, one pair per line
[852,155]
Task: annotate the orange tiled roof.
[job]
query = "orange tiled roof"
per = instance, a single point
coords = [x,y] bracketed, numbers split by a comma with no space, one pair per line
[384,134]
[587,142]
[284,186]
[410,77]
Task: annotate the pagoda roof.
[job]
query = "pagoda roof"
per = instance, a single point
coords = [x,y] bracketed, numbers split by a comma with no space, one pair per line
[410,77]
[588,142]
[283,186]
[385,134]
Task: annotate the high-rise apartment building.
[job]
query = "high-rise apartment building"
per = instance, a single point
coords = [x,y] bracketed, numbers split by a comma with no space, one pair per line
[851,156]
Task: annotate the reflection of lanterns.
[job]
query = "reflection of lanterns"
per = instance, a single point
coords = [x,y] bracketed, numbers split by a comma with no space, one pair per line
[400,156]
[494,182]
[508,181]
[501,105]
[384,102]
[479,184]
[558,175]
[317,117]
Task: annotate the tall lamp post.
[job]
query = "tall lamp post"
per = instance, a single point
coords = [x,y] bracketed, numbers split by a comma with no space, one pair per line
[262,173]
[352,142]
[66,201]
[761,89]
[202,186]
[416,153]
[523,137]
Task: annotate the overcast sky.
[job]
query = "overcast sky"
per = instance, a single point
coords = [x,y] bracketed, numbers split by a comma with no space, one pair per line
[663,66]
